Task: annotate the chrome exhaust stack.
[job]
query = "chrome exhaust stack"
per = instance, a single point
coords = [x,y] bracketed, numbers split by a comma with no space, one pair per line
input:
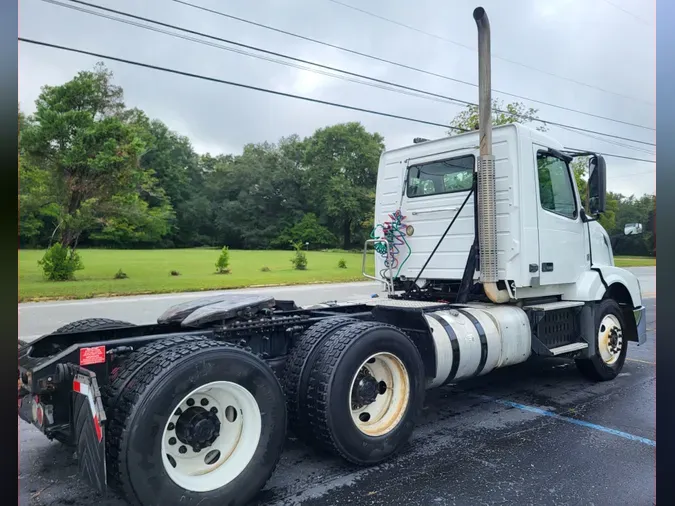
[487,208]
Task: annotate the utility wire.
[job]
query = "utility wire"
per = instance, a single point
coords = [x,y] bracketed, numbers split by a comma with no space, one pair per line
[610,154]
[265,90]
[372,14]
[327,67]
[402,65]
[239,85]
[613,142]
[644,21]
[382,86]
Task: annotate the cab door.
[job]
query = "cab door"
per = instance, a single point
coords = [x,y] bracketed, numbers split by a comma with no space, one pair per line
[563,244]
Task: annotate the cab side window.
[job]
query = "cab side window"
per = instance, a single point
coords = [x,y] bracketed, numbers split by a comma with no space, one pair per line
[556,191]
[443,176]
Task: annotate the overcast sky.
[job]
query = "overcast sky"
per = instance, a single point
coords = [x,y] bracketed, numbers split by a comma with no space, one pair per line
[607,45]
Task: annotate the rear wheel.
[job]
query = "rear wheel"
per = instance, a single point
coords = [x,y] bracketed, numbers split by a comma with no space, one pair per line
[610,343]
[365,392]
[298,366]
[202,423]
[123,373]
[90,324]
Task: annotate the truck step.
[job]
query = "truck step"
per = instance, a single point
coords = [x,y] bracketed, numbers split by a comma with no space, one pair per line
[552,306]
[568,348]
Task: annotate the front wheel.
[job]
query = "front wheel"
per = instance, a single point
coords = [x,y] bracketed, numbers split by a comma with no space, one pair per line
[610,344]
[203,423]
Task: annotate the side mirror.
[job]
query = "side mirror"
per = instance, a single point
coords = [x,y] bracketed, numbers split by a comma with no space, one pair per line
[632,229]
[597,184]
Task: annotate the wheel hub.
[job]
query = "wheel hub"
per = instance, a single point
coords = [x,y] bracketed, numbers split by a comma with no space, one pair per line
[367,389]
[197,427]
[614,345]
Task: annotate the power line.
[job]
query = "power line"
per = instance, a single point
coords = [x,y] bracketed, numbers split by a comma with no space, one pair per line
[327,67]
[402,65]
[372,14]
[628,12]
[239,85]
[379,84]
[264,90]
[612,155]
[613,142]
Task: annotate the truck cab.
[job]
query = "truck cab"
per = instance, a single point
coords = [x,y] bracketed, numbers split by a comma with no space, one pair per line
[547,244]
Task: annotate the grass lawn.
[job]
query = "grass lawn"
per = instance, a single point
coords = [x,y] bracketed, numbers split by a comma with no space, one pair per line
[635,261]
[148,272]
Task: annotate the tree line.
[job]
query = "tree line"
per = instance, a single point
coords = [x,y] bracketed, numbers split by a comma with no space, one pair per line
[95,173]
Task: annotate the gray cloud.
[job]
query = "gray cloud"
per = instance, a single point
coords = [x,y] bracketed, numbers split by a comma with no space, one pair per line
[587,41]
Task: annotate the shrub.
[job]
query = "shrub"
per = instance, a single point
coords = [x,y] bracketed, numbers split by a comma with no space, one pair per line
[264,268]
[342,264]
[121,275]
[307,230]
[174,273]
[299,260]
[59,263]
[223,261]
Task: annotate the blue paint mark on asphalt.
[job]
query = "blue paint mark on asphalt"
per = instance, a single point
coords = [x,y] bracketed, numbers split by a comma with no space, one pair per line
[581,423]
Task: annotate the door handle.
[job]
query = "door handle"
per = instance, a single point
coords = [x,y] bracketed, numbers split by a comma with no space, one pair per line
[438,210]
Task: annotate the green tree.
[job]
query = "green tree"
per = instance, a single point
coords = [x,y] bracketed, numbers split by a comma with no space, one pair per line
[90,146]
[341,172]
[514,112]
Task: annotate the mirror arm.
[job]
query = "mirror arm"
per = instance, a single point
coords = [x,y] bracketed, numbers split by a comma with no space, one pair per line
[584,217]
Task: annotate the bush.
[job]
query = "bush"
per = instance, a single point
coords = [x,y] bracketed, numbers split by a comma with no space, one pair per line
[264,268]
[59,263]
[342,264]
[121,275]
[223,261]
[299,260]
[174,273]
[307,230]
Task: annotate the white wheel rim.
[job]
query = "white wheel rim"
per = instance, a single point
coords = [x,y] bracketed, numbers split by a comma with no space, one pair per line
[610,339]
[392,385]
[216,465]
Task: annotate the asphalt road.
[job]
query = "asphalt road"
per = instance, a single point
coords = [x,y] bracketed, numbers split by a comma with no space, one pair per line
[536,433]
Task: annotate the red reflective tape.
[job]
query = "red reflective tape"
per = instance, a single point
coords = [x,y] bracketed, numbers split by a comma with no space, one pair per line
[76,386]
[95,355]
[97,426]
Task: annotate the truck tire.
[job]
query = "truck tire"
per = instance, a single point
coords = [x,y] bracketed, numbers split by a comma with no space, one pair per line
[122,375]
[298,366]
[89,324]
[203,423]
[611,347]
[365,393]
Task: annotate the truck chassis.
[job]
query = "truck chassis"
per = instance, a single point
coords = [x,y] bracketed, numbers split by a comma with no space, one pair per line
[216,381]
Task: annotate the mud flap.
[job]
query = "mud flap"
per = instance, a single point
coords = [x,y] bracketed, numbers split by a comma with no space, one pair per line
[89,418]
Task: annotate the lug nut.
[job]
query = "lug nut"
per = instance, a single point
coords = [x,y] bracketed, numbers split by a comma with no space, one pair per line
[190,402]
[172,441]
[178,412]
[182,449]
[214,410]
[204,402]
[171,426]
[197,448]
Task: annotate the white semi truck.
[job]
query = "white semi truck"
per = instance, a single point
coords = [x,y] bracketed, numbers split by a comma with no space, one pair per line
[195,409]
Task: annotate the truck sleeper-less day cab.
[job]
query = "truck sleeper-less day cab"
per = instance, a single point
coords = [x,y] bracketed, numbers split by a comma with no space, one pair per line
[194,409]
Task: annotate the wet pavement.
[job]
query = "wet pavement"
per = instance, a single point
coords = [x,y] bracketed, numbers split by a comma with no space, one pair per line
[536,433]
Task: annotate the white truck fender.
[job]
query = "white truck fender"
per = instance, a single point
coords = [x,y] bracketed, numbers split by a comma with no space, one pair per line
[590,284]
